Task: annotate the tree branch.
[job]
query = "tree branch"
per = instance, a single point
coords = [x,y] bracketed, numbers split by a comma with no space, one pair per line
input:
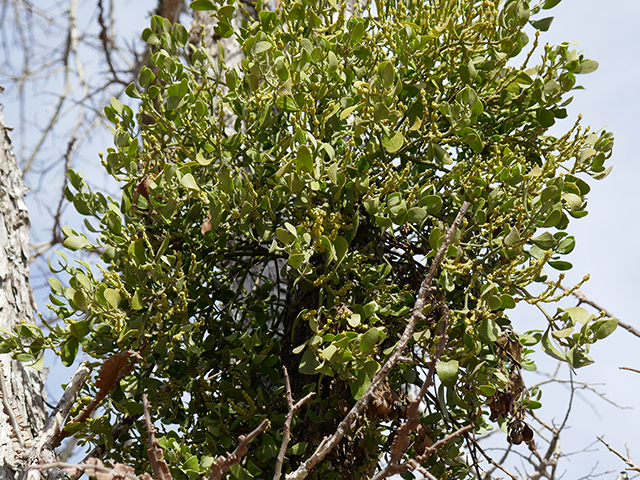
[154,452]
[42,446]
[287,424]
[221,466]
[632,465]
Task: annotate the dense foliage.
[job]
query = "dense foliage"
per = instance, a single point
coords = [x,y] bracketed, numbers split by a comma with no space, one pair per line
[283,212]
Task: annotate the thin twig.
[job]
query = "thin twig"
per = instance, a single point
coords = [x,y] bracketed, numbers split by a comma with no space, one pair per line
[402,440]
[222,465]
[425,289]
[632,465]
[293,408]
[33,10]
[630,369]
[494,463]
[413,464]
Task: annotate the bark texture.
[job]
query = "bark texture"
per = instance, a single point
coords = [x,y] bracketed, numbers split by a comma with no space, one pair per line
[23,402]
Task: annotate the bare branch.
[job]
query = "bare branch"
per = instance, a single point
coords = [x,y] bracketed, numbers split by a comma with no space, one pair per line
[631,464]
[221,466]
[415,464]
[55,421]
[42,448]
[423,293]
[287,424]
[92,469]
[630,369]
[154,452]
[401,441]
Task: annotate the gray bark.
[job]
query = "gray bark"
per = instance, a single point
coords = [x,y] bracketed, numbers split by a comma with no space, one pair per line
[23,406]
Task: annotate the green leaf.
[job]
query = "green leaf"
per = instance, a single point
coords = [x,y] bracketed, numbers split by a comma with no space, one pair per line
[550,4]
[588,66]
[112,296]
[189,182]
[369,340]
[299,448]
[433,204]
[393,142]
[357,33]
[513,238]
[342,247]
[80,329]
[487,390]
[56,286]
[304,160]
[286,103]
[507,301]
[132,91]
[203,5]
[550,349]
[494,302]
[579,314]
[577,358]
[260,47]
[75,242]
[136,304]
[333,62]
[416,215]
[468,72]
[545,117]
[387,73]
[489,330]
[371,205]
[69,351]
[564,333]
[202,161]
[364,374]
[354,320]
[117,105]
[543,24]
[348,111]
[604,328]
[309,362]
[545,241]
[448,372]
[441,154]
[602,175]
[560,265]
[296,260]
[471,138]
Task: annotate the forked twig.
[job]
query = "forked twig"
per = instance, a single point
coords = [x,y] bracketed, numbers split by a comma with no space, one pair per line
[293,408]
[632,466]
[222,465]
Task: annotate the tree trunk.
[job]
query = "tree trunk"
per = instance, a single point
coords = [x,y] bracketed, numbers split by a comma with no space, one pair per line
[22,387]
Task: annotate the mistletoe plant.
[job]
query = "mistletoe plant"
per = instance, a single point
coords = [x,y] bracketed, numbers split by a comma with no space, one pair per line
[283,212]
